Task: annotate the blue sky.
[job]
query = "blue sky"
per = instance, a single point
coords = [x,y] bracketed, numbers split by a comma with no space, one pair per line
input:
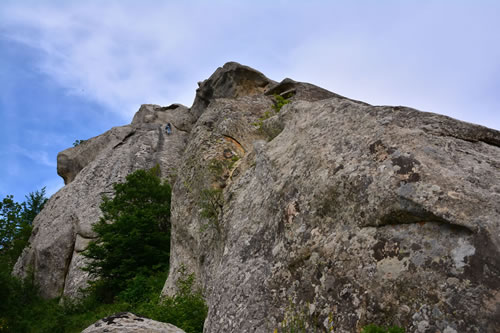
[73,69]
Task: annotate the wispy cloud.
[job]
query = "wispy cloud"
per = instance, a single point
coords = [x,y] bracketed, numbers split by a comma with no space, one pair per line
[439,57]
[37,156]
[44,138]
[120,56]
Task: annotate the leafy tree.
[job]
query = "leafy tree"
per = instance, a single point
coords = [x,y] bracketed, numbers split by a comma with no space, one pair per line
[133,234]
[10,220]
[16,221]
[33,205]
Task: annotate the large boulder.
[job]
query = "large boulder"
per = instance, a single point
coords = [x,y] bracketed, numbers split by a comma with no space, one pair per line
[127,322]
[336,213]
[64,227]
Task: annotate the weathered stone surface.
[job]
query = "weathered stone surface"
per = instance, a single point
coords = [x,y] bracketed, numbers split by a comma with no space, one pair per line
[126,322]
[64,227]
[229,81]
[333,210]
[354,213]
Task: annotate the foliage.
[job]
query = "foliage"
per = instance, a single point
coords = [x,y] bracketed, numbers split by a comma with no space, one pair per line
[271,131]
[211,199]
[280,102]
[22,310]
[299,320]
[217,167]
[16,221]
[260,122]
[212,205]
[78,142]
[186,310]
[10,222]
[234,159]
[142,197]
[133,234]
[372,328]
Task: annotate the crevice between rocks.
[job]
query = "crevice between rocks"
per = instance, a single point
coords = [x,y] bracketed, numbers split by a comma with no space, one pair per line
[159,146]
[180,129]
[412,213]
[124,139]
[495,142]
[68,264]
[170,107]
[236,142]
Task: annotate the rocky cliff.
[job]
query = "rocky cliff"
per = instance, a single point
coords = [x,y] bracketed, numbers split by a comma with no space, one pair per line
[331,211]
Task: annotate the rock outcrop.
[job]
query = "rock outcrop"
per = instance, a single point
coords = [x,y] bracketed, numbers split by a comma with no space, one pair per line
[331,211]
[64,228]
[126,322]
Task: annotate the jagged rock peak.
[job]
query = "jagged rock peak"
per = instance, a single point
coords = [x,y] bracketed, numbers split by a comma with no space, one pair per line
[229,81]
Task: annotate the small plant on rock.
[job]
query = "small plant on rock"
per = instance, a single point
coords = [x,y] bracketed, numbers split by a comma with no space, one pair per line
[211,204]
[78,142]
[280,102]
[372,328]
[271,131]
[299,320]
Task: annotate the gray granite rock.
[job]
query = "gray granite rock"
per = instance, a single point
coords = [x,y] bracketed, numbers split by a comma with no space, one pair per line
[126,322]
[339,213]
[333,212]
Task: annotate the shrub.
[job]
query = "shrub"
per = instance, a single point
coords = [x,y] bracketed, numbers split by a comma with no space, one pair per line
[280,102]
[186,310]
[16,221]
[78,142]
[133,234]
[271,131]
[212,205]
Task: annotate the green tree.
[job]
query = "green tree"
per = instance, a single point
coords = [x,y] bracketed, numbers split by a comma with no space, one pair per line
[33,205]
[133,234]
[10,220]
[16,220]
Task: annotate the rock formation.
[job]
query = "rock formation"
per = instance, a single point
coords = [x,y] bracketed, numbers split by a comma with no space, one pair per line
[331,211]
[127,322]
[63,229]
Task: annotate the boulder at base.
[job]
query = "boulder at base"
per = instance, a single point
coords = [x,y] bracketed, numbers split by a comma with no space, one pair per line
[126,322]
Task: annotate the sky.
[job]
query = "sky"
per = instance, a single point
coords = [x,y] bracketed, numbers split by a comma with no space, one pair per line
[70,70]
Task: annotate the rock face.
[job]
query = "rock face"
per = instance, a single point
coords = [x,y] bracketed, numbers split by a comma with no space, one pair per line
[126,322]
[64,228]
[353,213]
[331,211]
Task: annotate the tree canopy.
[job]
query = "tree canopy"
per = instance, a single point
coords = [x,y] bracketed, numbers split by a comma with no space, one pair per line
[133,234]
[16,221]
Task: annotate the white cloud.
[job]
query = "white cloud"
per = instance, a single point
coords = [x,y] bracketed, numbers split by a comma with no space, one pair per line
[438,57]
[38,156]
[119,56]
